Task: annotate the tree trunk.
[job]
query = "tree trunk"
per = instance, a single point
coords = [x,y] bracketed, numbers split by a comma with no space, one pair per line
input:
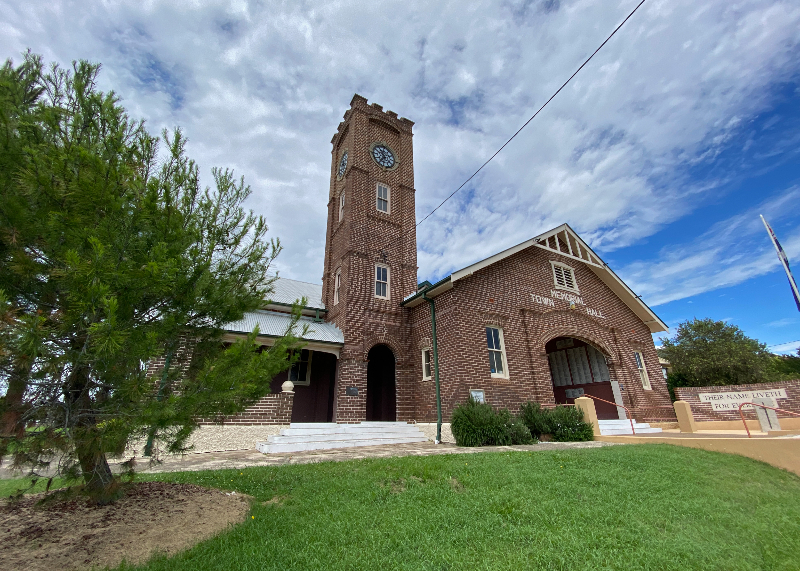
[99,482]
[10,423]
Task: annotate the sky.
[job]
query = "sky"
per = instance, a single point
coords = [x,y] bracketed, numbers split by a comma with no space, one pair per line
[661,153]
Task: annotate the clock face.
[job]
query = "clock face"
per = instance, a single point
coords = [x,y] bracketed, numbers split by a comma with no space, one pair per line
[342,165]
[383,156]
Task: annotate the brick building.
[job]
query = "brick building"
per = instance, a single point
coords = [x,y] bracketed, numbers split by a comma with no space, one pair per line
[546,320]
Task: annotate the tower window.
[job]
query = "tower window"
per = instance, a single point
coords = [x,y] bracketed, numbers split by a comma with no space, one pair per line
[382,281]
[337,284]
[564,277]
[642,370]
[382,198]
[497,352]
[341,206]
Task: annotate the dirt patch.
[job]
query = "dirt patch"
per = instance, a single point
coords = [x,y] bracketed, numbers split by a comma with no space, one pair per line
[151,517]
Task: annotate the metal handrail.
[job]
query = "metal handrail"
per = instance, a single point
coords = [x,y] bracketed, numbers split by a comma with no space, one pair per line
[630,416]
[741,414]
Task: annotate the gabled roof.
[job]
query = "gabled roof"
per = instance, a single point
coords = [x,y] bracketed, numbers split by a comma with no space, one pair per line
[564,241]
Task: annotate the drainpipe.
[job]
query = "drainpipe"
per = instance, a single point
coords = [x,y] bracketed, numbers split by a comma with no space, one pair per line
[436,370]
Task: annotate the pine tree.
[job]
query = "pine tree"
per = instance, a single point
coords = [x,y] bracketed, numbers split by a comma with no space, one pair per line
[113,255]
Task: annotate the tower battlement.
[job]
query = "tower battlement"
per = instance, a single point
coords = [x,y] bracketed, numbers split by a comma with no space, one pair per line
[374,110]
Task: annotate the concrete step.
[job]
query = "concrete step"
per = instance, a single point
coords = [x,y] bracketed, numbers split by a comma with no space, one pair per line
[622,431]
[620,427]
[267,447]
[301,437]
[349,429]
[291,438]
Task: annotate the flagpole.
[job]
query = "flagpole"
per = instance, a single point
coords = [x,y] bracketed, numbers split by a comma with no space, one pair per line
[784,261]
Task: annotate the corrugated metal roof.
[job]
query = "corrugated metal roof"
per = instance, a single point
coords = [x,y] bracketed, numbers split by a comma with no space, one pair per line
[275,324]
[288,291]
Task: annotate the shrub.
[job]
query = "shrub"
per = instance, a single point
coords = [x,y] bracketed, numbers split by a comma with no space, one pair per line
[519,433]
[569,426]
[478,424]
[535,418]
[565,423]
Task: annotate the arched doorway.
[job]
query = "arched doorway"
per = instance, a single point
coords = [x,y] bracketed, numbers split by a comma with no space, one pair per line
[381,393]
[578,369]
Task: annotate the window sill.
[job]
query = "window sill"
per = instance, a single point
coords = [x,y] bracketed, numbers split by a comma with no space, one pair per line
[500,377]
[570,290]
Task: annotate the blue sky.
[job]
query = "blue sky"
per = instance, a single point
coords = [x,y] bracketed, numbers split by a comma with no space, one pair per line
[661,153]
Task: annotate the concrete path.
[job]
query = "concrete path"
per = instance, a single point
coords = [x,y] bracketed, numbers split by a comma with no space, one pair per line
[247,458]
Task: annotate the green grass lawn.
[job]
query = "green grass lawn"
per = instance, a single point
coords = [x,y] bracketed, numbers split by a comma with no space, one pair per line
[627,507]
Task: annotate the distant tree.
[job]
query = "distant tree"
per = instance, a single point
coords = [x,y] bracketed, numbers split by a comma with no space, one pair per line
[113,255]
[786,366]
[705,352]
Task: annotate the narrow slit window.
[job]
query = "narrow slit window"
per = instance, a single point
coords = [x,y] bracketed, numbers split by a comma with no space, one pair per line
[382,203]
[382,282]
[337,284]
[426,365]
[642,370]
[496,347]
[341,206]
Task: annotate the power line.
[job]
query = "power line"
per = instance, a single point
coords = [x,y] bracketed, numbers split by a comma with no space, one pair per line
[534,115]
[779,344]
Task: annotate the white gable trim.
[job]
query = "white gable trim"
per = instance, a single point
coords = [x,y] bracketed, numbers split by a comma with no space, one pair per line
[565,242]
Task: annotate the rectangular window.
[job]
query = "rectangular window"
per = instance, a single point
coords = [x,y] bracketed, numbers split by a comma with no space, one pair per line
[642,370]
[564,277]
[382,197]
[497,352]
[337,284]
[477,395]
[300,373]
[426,364]
[382,282]
[341,206]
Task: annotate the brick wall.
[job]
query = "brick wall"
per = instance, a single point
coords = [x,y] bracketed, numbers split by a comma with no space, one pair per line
[270,409]
[500,295]
[704,410]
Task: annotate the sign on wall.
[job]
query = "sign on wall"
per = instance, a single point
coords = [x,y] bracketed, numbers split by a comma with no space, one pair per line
[732,400]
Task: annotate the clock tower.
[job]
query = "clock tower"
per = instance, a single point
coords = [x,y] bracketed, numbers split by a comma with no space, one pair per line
[371,262]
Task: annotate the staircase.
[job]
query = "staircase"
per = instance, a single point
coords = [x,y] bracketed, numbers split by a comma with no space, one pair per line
[619,427]
[300,437]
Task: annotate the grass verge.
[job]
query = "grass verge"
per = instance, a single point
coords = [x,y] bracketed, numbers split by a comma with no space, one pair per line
[625,507]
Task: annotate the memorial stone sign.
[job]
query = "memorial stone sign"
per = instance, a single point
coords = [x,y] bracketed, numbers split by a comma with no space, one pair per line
[732,400]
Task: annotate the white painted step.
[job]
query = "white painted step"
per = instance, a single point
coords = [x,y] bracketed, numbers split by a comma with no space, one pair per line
[324,435]
[288,439]
[267,448]
[621,427]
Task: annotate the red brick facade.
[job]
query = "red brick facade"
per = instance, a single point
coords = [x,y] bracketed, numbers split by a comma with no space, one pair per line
[501,295]
[704,411]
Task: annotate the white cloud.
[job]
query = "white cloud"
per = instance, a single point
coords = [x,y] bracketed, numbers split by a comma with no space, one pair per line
[728,253]
[260,87]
